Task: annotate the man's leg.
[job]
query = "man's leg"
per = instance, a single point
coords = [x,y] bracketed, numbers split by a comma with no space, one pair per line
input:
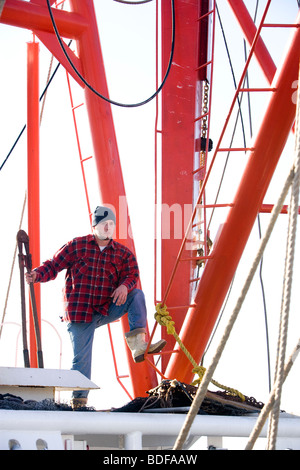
[137,318]
[135,306]
[82,335]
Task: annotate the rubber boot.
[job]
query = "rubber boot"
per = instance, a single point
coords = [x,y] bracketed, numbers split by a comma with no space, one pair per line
[78,403]
[135,340]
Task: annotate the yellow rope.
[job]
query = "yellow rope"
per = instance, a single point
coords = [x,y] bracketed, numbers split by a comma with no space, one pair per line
[163,317]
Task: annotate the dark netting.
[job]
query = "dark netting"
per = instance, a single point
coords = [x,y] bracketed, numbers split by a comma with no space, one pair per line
[171,395]
[13,402]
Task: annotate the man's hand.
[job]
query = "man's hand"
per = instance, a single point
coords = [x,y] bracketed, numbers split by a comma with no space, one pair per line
[30,277]
[120,295]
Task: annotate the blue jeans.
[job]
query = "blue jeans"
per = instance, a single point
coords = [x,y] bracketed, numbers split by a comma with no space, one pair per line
[82,334]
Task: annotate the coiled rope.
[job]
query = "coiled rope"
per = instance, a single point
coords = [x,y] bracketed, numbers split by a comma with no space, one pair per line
[163,317]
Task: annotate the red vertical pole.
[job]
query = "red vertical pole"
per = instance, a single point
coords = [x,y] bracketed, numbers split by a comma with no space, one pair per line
[178,149]
[33,179]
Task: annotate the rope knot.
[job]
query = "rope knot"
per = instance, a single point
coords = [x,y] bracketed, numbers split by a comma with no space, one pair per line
[200,370]
[163,318]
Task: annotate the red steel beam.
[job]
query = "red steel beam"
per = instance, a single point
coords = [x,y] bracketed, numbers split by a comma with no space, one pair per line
[248,27]
[33,179]
[219,270]
[178,146]
[36,17]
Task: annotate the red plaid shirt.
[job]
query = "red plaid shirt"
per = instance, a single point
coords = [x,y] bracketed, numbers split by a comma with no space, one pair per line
[92,275]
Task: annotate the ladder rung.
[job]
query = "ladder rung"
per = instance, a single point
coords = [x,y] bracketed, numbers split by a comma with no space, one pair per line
[281,25]
[181,306]
[195,279]
[203,65]
[199,258]
[257,89]
[198,169]
[205,15]
[160,353]
[201,117]
[236,149]
[211,206]
[78,106]
[87,158]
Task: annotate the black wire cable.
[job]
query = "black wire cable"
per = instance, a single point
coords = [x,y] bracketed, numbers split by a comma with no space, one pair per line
[259,230]
[134,3]
[258,218]
[24,127]
[239,112]
[116,103]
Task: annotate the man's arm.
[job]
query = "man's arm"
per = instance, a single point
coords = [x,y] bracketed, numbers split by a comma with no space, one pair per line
[128,278]
[50,268]
[30,277]
[119,295]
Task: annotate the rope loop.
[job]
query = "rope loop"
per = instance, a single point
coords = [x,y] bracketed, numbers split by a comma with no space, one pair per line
[163,317]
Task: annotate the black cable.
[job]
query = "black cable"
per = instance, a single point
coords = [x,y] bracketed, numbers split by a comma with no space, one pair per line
[24,127]
[116,103]
[11,150]
[258,218]
[134,3]
[259,230]
[239,114]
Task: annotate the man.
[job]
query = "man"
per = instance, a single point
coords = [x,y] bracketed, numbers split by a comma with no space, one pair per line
[100,287]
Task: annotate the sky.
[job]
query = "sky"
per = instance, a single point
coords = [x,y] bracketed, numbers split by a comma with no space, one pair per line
[127,35]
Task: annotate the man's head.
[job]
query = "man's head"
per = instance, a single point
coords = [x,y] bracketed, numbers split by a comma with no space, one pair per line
[103,222]
[101,214]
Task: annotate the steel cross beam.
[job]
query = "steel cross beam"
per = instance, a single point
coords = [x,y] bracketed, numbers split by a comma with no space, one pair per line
[249,29]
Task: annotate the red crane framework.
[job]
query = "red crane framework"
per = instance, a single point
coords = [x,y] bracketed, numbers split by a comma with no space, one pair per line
[186,166]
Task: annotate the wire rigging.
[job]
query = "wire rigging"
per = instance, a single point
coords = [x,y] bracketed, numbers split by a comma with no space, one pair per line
[240,115]
[24,127]
[259,227]
[88,85]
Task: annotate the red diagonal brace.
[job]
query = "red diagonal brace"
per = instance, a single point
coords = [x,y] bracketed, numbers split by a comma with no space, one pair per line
[220,269]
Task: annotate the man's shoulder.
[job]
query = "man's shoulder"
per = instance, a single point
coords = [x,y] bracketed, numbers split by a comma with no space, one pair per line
[81,240]
[119,246]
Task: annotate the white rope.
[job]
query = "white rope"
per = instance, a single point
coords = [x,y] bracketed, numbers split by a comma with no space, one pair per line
[211,369]
[268,406]
[292,179]
[286,297]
